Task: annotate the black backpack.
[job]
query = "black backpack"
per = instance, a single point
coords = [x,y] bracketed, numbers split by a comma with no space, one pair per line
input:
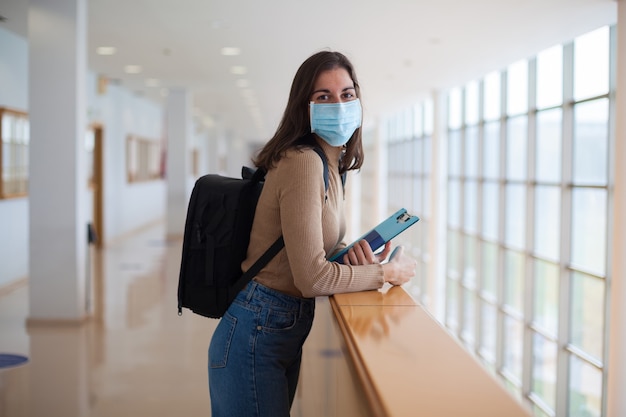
[215,242]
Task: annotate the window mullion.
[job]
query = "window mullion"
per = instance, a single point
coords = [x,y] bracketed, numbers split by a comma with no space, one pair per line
[565,250]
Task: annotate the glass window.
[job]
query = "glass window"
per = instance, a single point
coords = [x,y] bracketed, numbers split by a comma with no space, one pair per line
[589,230]
[492,96]
[471,103]
[426,206]
[426,158]
[513,342]
[591,64]
[455,108]
[392,131]
[418,120]
[587,315]
[471,151]
[489,331]
[409,124]
[454,203]
[516,152]
[452,304]
[517,186]
[418,193]
[469,272]
[14,139]
[591,134]
[416,156]
[514,272]
[517,88]
[515,215]
[547,221]
[429,118]
[489,269]
[550,77]
[454,153]
[544,370]
[538,412]
[546,296]
[491,150]
[469,316]
[548,148]
[585,397]
[490,210]
[470,207]
[453,253]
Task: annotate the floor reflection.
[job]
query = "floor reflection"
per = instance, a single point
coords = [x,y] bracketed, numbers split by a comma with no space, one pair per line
[135,357]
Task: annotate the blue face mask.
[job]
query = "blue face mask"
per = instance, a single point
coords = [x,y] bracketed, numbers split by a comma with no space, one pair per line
[336,122]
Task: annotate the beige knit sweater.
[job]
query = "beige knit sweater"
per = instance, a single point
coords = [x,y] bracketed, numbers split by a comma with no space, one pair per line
[294,203]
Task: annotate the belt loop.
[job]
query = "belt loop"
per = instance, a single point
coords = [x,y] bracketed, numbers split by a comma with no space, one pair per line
[251,288]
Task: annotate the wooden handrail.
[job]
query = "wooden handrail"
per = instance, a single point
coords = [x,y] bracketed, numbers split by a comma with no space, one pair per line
[408,365]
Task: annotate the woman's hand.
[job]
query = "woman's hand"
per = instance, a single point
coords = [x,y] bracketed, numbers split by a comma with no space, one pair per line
[400,268]
[361,254]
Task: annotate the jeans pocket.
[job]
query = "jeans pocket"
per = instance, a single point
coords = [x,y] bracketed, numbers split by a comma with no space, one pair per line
[221,340]
[279,320]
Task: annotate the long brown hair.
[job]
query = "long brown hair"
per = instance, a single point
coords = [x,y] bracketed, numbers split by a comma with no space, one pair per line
[296,123]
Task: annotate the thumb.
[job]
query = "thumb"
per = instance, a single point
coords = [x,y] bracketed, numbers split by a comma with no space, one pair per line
[397,252]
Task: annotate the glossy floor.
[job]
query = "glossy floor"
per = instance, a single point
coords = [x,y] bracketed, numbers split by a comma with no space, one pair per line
[136,357]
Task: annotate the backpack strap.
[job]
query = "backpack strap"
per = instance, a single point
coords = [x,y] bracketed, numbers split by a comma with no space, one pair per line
[322,155]
[344,176]
[257,266]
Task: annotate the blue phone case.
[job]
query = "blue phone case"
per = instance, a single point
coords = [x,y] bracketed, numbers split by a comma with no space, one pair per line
[383,233]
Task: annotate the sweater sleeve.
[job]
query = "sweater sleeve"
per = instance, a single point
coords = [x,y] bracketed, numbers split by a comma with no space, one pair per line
[310,231]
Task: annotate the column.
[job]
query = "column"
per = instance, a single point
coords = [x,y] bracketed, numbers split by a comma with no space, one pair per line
[438,203]
[616,401]
[59,371]
[179,125]
[380,161]
[58,179]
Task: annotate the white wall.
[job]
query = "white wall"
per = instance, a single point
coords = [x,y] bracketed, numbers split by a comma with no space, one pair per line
[13,212]
[13,71]
[120,112]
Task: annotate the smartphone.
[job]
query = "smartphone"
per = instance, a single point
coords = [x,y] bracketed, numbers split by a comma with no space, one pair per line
[383,233]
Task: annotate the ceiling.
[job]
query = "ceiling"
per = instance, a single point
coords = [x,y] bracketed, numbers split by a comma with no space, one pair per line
[402,49]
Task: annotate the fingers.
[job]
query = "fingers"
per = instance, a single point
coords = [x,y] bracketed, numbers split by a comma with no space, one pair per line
[406,267]
[380,257]
[361,254]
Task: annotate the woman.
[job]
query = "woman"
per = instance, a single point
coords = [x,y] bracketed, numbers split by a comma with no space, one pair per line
[255,352]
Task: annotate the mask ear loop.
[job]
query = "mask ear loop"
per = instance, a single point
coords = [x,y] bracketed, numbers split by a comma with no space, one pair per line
[311,116]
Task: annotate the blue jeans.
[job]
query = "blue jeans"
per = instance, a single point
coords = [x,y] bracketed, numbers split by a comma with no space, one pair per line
[255,353]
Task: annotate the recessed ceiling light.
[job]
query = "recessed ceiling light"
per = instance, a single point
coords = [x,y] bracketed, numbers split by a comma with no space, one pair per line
[153,82]
[106,50]
[239,70]
[132,69]
[231,51]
